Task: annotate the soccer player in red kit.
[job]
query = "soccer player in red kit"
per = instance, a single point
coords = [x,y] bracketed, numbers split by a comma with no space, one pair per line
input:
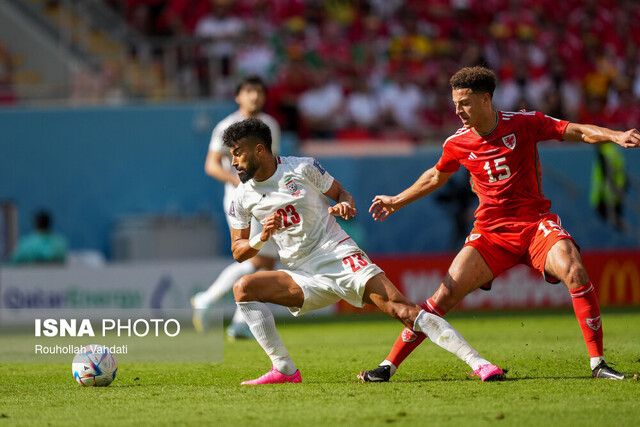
[513,222]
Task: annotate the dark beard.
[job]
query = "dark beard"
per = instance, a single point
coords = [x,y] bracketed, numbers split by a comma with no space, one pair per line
[245,174]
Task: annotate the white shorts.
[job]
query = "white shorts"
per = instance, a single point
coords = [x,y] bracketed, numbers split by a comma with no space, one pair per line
[332,276]
[269,249]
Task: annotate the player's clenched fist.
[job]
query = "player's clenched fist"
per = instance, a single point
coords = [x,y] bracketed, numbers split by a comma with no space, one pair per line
[270,225]
[343,210]
[382,207]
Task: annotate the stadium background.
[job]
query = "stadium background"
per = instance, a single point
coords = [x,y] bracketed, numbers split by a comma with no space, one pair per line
[107,109]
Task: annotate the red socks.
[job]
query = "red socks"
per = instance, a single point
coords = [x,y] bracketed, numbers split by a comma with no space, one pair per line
[585,305]
[409,339]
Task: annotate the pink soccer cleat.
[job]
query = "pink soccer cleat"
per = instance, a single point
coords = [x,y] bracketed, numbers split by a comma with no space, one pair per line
[489,372]
[275,377]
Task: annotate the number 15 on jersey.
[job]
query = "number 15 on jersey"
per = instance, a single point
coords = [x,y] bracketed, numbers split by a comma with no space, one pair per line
[501,169]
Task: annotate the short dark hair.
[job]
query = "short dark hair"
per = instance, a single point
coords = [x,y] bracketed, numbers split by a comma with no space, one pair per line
[478,79]
[251,81]
[251,129]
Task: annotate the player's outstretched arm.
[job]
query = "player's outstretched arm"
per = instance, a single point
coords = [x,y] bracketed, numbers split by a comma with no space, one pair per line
[244,247]
[597,135]
[345,208]
[429,181]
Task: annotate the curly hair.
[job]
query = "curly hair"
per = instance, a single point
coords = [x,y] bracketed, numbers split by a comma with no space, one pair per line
[478,79]
[252,130]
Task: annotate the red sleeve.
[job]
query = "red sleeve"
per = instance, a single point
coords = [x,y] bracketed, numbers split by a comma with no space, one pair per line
[448,162]
[549,127]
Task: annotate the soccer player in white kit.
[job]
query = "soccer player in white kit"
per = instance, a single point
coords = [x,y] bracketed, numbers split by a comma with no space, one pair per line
[290,197]
[250,97]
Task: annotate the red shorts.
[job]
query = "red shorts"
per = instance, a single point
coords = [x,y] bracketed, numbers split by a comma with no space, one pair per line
[519,243]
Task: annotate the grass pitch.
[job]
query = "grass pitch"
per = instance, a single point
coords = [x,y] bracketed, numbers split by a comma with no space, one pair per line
[548,380]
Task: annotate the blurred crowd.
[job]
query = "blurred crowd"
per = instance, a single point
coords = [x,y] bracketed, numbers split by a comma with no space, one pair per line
[368,69]
[7,94]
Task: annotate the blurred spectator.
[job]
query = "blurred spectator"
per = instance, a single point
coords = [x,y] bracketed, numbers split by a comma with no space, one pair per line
[561,97]
[7,95]
[440,120]
[294,77]
[85,87]
[622,109]
[103,87]
[218,32]
[332,49]
[255,56]
[362,110]
[592,111]
[180,17]
[144,15]
[609,185]
[320,106]
[402,101]
[551,56]
[42,245]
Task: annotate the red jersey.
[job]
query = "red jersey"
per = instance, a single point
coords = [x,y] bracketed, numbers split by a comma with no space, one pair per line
[504,166]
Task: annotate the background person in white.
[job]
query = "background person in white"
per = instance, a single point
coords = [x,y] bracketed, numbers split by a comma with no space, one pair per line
[289,196]
[250,97]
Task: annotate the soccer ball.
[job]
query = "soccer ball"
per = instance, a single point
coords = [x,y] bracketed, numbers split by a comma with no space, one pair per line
[94,365]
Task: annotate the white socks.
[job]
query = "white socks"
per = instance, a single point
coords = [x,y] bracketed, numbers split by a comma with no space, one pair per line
[392,368]
[263,327]
[443,334]
[223,284]
[238,318]
[595,361]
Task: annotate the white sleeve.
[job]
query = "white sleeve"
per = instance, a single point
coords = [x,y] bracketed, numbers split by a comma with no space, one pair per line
[317,175]
[275,133]
[216,139]
[239,218]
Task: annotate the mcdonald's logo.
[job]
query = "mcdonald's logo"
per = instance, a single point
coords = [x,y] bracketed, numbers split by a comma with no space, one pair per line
[620,283]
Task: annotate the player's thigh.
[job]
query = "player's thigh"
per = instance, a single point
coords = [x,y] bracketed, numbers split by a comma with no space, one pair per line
[553,252]
[276,287]
[564,262]
[382,293]
[467,272]
[262,262]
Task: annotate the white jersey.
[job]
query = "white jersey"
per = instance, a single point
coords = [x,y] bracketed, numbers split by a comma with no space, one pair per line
[216,140]
[296,190]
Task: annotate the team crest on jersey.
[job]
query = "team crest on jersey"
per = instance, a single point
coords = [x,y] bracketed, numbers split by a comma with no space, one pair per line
[292,186]
[472,237]
[509,141]
[232,209]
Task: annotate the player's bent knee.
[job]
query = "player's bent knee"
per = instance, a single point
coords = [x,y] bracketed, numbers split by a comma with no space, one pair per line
[242,290]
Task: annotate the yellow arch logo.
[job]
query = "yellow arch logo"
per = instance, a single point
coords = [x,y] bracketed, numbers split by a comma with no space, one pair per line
[622,278]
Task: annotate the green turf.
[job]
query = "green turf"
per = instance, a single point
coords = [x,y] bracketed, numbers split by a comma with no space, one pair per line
[549,380]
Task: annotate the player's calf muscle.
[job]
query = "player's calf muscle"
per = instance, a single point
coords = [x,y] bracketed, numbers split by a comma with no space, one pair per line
[384,295]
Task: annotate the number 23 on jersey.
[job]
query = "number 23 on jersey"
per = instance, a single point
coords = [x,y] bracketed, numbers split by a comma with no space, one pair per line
[355,261]
[289,216]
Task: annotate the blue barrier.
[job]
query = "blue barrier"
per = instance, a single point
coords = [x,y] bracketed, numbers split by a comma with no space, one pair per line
[92,166]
